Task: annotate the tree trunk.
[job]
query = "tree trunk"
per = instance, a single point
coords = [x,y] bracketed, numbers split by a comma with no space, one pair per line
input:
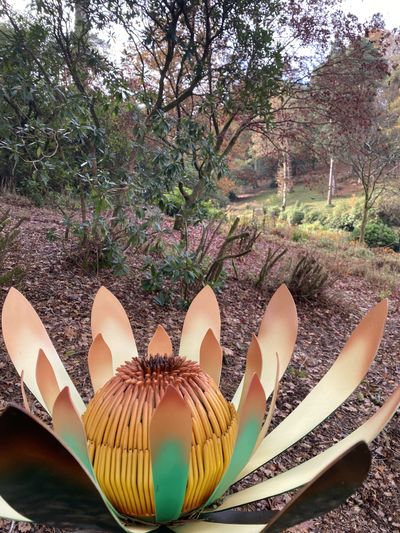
[288,174]
[180,222]
[331,182]
[364,221]
[284,184]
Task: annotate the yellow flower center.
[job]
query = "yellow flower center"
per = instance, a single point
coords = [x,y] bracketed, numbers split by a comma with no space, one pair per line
[117,423]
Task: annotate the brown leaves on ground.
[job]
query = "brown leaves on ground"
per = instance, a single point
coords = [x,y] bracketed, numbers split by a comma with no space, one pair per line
[63,296]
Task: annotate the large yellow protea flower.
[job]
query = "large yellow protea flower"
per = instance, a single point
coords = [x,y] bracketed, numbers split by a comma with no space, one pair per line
[158,445]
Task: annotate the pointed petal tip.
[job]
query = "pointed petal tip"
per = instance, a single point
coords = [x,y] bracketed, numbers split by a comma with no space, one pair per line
[207,292]
[160,343]
[284,292]
[12,294]
[384,304]
[12,291]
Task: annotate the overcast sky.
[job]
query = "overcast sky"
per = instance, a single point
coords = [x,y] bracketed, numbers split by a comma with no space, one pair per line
[364,9]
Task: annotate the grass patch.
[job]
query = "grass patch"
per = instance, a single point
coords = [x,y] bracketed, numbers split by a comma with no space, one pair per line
[309,198]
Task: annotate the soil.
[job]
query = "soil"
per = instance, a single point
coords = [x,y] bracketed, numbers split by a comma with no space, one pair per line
[62,294]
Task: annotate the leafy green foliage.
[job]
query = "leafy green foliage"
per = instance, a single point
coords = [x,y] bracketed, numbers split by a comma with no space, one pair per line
[296,217]
[345,217]
[173,203]
[178,270]
[378,234]
[175,271]
[111,229]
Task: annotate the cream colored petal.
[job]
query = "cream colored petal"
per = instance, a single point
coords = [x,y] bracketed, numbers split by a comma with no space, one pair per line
[202,315]
[138,528]
[23,393]
[47,381]
[7,512]
[211,356]
[68,427]
[24,335]
[332,390]
[305,472]
[100,363]
[277,335]
[253,366]
[109,319]
[267,423]
[201,526]
[160,343]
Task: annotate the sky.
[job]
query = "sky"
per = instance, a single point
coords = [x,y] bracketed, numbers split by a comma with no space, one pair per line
[364,9]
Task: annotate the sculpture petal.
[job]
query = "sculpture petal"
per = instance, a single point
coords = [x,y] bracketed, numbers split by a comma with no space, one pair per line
[303,473]
[109,319]
[202,315]
[47,381]
[211,356]
[69,429]
[170,445]
[202,526]
[8,513]
[160,343]
[277,335]
[251,416]
[271,410]
[24,335]
[332,390]
[100,363]
[41,479]
[239,517]
[327,491]
[253,366]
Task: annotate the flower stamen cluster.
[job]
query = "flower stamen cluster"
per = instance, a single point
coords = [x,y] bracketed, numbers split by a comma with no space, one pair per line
[117,424]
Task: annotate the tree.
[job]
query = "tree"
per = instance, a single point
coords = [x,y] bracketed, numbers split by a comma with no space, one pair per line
[375,158]
[343,90]
[204,72]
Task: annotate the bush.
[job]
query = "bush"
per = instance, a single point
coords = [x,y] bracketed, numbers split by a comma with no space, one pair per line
[298,235]
[388,211]
[274,211]
[227,186]
[296,217]
[179,269]
[103,240]
[173,203]
[378,235]
[312,215]
[345,216]
[307,278]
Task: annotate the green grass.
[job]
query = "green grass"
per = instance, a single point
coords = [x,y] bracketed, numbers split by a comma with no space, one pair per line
[315,199]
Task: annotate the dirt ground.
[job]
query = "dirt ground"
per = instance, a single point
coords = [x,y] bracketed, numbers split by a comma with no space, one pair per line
[62,296]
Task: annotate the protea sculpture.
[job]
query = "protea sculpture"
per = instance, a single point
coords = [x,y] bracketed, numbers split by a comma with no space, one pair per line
[158,445]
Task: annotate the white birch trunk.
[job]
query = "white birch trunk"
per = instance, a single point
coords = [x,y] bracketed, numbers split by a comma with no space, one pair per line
[331,182]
